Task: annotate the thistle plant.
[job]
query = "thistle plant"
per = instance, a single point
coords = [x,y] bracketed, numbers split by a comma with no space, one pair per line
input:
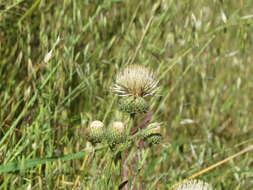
[133,85]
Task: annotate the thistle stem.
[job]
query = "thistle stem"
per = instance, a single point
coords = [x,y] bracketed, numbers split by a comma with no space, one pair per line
[125,168]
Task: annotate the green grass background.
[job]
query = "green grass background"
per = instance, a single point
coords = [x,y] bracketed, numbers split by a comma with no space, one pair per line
[202,51]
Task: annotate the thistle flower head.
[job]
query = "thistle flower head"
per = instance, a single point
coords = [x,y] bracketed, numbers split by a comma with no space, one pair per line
[194,185]
[135,80]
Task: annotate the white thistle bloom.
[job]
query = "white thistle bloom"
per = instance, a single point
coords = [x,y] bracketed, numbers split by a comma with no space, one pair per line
[135,80]
[194,185]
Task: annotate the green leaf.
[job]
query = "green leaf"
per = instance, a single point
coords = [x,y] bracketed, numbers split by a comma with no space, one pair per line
[25,164]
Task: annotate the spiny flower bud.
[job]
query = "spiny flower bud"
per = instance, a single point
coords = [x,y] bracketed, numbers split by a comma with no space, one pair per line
[116,133]
[194,185]
[135,80]
[133,105]
[95,132]
[152,134]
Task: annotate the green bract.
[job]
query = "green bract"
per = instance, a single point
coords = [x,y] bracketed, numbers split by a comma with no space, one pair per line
[152,135]
[95,132]
[116,133]
[133,105]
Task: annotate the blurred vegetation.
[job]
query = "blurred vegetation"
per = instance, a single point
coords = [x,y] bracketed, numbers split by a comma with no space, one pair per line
[58,60]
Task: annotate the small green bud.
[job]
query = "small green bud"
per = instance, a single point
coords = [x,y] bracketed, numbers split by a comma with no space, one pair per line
[133,105]
[154,139]
[116,133]
[152,134]
[95,132]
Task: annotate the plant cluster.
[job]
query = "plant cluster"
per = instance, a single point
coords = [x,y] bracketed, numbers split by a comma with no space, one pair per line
[132,85]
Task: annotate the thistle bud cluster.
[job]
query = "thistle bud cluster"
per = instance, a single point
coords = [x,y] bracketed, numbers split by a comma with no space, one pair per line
[114,134]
